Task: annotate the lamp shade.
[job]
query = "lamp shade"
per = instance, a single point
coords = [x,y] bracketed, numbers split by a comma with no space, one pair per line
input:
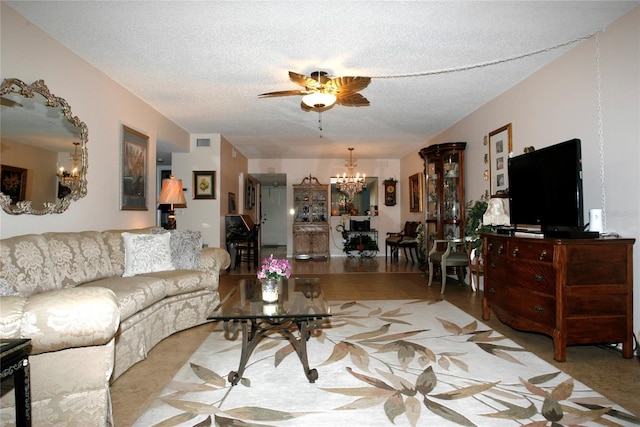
[319,100]
[171,193]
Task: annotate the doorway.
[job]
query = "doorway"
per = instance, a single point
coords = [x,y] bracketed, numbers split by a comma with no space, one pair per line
[273,211]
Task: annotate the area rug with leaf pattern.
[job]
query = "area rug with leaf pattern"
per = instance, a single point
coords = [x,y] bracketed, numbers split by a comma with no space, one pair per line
[382,363]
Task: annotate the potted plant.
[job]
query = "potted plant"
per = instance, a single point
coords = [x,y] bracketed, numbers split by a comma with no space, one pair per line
[272,271]
[474,225]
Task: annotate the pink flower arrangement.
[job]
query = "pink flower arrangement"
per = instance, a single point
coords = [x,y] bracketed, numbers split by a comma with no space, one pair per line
[273,268]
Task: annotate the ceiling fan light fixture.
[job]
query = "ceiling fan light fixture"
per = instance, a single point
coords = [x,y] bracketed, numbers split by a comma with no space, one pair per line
[319,100]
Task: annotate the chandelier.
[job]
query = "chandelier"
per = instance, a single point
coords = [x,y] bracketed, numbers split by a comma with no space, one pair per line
[351,183]
[74,175]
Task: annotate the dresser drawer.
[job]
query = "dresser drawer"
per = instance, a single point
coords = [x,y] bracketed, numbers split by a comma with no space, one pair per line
[531,250]
[520,303]
[537,277]
[496,246]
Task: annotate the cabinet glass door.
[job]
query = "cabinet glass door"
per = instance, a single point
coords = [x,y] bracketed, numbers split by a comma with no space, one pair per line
[432,190]
[451,196]
[319,206]
[302,206]
[444,169]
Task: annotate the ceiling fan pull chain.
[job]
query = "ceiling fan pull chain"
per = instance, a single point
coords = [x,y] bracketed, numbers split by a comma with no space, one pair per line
[320,123]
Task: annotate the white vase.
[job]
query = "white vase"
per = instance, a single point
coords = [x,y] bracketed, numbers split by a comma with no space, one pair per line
[269,290]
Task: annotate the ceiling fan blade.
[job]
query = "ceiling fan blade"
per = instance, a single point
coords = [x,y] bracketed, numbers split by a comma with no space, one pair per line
[283,93]
[350,84]
[352,99]
[300,79]
[309,82]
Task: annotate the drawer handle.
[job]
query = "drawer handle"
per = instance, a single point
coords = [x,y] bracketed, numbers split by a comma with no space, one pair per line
[489,247]
[492,265]
[543,255]
[538,309]
[501,249]
[514,253]
[492,291]
[538,278]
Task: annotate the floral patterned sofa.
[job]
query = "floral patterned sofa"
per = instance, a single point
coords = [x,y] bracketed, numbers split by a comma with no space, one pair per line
[93,304]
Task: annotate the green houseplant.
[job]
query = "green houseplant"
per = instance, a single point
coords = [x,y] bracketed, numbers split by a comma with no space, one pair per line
[474,225]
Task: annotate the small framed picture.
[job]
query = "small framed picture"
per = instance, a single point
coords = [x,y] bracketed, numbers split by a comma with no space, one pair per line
[500,146]
[232,203]
[204,184]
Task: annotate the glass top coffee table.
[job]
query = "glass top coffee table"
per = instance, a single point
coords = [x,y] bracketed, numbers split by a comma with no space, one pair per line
[301,308]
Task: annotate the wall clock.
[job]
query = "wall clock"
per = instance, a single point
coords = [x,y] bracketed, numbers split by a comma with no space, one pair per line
[389,193]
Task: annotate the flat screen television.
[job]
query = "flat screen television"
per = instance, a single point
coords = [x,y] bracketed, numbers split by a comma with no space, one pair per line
[545,189]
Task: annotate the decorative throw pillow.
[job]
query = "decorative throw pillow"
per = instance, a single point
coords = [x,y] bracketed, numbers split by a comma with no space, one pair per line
[185,248]
[146,253]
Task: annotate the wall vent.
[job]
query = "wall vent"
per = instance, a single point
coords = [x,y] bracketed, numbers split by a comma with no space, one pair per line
[203,142]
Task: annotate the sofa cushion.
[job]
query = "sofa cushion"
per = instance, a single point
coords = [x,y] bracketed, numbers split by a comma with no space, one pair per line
[115,245]
[134,294]
[12,309]
[186,246]
[78,257]
[146,253]
[66,318]
[26,265]
[182,281]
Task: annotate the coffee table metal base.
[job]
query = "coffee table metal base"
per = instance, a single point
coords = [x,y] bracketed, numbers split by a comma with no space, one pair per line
[253,330]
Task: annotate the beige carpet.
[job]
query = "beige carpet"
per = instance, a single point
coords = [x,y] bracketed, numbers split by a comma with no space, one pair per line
[382,363]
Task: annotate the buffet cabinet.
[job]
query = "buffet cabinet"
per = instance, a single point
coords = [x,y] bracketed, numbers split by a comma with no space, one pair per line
[578,291]
[311,219]
[445,202]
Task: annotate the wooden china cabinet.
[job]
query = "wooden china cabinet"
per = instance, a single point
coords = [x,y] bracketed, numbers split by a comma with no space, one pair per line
[445,203]
[311,219]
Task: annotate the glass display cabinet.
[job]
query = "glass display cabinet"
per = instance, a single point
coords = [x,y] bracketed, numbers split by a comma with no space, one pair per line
[311,219]
[445,203]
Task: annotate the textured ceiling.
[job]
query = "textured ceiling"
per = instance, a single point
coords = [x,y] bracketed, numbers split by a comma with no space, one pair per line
[202,64]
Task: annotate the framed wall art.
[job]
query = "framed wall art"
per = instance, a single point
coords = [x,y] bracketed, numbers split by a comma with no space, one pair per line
[204,184]
[232,203]
[500,146]
[13,183]
[250,194]
[133,170]
[415,193]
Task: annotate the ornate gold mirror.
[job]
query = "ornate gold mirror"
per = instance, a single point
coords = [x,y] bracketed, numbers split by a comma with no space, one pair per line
[43,150]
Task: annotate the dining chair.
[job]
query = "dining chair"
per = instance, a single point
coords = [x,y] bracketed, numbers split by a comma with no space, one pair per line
[447,253]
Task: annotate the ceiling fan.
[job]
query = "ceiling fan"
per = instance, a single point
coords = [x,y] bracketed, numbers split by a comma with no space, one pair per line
[321,92]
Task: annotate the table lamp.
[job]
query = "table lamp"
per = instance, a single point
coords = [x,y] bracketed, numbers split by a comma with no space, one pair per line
[172,194]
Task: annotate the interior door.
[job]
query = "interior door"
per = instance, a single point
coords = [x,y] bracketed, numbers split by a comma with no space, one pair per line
[274,215]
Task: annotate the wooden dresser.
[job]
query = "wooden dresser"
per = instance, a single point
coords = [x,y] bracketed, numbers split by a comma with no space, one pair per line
[578,291]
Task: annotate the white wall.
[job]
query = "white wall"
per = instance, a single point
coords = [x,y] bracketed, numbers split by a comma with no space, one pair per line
[29,54]
[560,102]
[201,214]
